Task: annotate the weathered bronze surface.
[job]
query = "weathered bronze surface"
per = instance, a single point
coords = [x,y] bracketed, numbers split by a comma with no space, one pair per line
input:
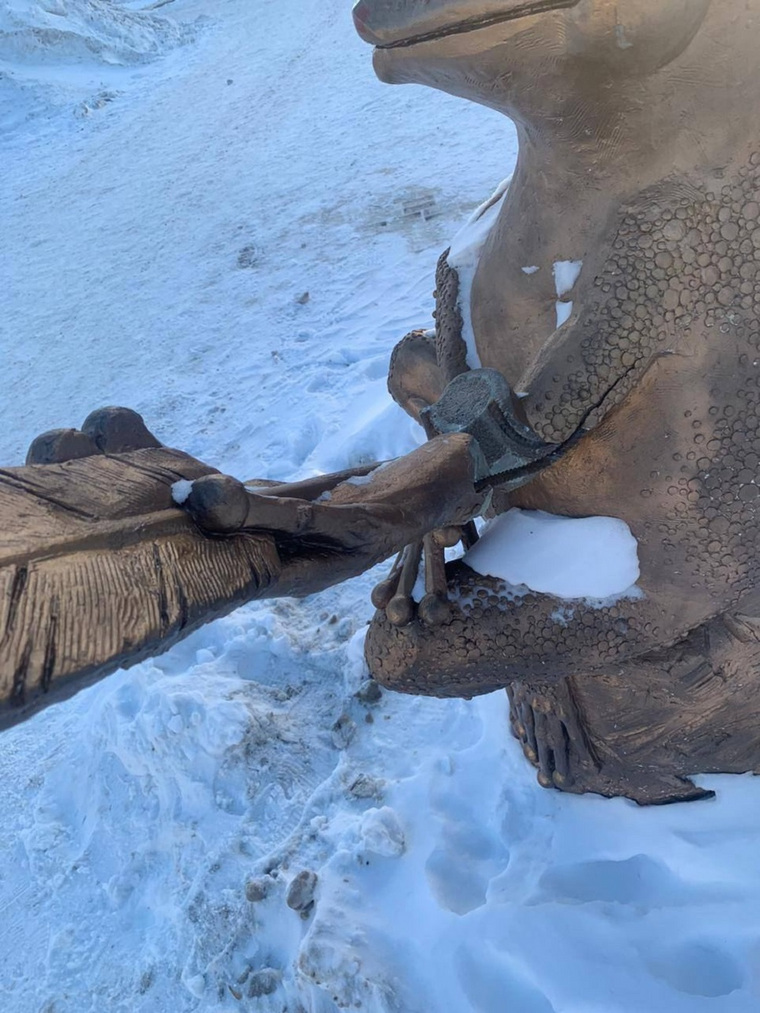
[640,158]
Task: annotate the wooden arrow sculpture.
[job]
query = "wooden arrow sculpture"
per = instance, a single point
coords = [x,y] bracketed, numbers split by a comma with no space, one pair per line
[100,568]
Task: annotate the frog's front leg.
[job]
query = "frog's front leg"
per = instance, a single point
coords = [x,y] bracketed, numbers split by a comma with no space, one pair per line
[496,634]
[421,366]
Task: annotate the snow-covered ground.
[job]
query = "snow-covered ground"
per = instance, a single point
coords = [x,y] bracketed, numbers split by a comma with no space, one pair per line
[214,214]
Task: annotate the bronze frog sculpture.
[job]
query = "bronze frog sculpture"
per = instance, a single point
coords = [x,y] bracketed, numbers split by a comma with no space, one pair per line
[639,163]
[639,159]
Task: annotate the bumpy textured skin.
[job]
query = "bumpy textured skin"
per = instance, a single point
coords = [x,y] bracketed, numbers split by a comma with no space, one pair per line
[494,637]
[667,348]
[451,351]
[638,160]
[681,265]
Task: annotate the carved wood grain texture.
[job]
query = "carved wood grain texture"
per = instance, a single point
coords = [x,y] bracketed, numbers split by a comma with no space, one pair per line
[99,568]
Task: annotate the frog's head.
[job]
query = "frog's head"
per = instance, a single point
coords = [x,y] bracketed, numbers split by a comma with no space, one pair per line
[505,53]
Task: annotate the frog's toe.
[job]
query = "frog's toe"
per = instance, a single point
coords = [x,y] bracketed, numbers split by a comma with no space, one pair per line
[104,431]
[118,430]
[547,723]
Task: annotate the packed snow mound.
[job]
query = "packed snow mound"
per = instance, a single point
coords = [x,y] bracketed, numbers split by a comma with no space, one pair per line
[73,31]
[570,557]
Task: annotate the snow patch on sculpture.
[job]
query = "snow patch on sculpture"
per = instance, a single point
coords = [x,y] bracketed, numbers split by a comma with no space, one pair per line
[181,490]
[464,256]
[566,274]
[586,557]
[564,311]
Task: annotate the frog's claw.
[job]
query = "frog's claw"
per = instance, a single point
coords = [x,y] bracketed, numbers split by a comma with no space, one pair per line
[394,593]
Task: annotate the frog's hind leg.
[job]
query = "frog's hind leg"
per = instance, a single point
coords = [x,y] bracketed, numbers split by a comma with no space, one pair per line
[570,751]
[599,699]
[643,728]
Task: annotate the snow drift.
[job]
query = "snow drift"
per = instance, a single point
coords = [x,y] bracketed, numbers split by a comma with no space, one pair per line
[152,827]
[65,55]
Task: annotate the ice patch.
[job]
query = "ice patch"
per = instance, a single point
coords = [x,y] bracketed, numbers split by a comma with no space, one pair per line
[361,479]
[586,557]
[530,270]
[563,615]
[620,38]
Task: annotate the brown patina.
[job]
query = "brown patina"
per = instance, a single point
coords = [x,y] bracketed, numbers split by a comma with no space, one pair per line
[639,157]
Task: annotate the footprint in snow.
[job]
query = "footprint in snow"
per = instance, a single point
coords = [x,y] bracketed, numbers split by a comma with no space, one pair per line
[492,984]
[638,882]
[696,968]
[641,883]
[461,866]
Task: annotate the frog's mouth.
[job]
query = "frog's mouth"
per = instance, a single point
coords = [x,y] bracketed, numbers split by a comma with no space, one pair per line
[420,26]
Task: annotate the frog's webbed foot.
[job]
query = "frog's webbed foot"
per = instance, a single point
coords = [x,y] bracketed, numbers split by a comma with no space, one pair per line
[549,726]
[555,737]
